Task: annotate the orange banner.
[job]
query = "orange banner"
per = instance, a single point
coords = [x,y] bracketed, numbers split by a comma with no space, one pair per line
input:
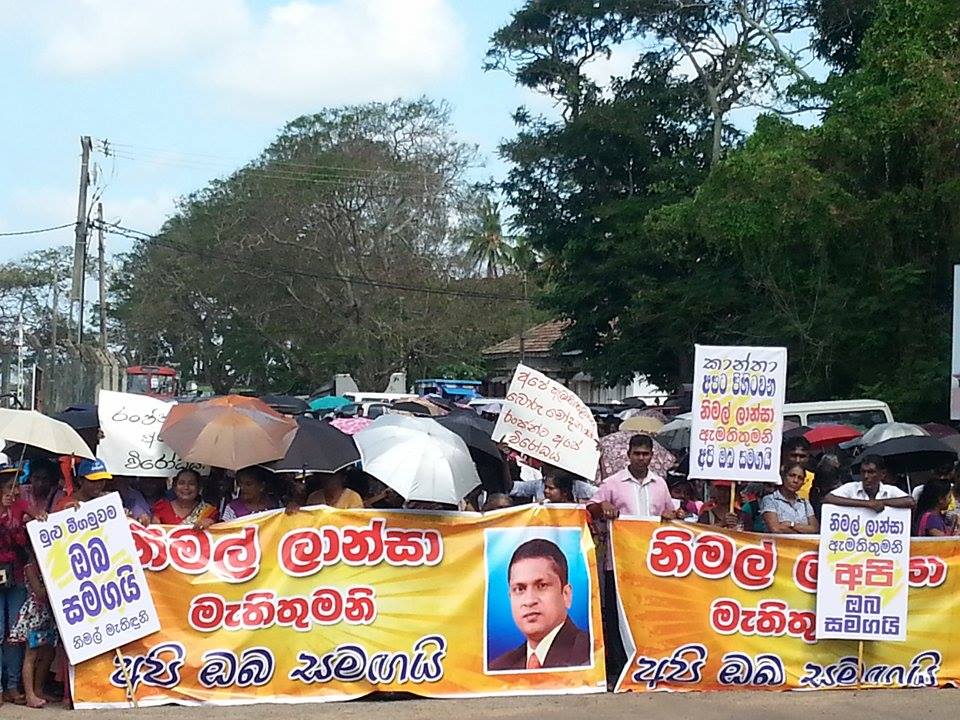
[332,605]
[708,609]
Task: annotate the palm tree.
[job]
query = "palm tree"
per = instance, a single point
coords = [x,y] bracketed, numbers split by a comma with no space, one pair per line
[489,250]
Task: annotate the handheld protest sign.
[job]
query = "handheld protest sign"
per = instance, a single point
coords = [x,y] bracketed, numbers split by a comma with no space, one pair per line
[737,425]
[94,580]
[548,422]
[131,444]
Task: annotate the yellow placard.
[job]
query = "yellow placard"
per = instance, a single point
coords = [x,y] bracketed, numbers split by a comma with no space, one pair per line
[709,609]
[332,605]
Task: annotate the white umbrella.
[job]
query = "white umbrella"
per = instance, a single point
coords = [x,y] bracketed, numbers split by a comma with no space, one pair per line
[888,431]
[418,458]
[32,428]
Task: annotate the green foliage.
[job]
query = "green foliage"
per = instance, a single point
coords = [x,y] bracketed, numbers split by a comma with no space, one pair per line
[835,241]
[308,261]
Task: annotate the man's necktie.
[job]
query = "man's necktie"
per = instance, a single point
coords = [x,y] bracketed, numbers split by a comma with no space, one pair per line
[533,662]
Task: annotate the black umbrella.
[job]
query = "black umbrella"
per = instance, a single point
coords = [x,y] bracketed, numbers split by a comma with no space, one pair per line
[675,435]
[473,430]
[476,432]
[912,453]
[286,404]
[80,417]
[317,447]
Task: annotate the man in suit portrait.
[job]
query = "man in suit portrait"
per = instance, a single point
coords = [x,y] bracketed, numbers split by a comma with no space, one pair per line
[540,598]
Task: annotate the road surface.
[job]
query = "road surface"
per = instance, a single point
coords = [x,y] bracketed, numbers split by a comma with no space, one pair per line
[848,705]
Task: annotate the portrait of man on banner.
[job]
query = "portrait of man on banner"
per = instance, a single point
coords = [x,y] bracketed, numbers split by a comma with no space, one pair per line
[547,593]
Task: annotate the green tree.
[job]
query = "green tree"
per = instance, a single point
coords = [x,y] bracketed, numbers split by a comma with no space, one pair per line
[333,251]
[846,233]
[488,249]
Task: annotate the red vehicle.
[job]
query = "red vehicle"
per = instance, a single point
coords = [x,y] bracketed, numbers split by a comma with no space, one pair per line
[157,381]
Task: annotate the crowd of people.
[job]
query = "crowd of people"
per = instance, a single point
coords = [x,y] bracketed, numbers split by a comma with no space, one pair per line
[793,507]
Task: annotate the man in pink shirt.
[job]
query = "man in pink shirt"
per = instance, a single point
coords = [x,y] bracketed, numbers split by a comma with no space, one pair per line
[632,491]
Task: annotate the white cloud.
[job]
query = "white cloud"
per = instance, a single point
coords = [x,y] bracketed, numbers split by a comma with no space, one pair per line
[295,54]
[342,51]
[87,37]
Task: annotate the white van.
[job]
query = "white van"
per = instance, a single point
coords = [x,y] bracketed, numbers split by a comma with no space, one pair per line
[861,414]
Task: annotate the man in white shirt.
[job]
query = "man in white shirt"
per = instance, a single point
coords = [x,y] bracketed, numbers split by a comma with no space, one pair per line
[870,492]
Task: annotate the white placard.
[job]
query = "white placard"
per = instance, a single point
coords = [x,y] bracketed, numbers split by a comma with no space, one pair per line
[130,444]
[546,421]
[93,577]
[737,425]
[862,580]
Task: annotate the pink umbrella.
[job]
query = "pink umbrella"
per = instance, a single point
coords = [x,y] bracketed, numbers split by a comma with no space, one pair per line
[350,426]
[613,455]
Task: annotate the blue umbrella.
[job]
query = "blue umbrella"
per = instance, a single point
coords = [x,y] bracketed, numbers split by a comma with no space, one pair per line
[328,402]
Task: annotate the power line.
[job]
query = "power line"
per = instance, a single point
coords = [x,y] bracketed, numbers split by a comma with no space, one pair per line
[271,267]
[38,230]
[139,152]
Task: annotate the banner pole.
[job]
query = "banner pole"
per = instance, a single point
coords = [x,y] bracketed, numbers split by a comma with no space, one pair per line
[131,696]
[859,664]
[733,496]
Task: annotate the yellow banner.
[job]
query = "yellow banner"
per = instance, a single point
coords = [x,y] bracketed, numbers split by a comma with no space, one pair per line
[332,605]
[714,610]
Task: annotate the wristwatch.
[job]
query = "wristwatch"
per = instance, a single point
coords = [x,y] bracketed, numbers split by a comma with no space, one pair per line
[793,525]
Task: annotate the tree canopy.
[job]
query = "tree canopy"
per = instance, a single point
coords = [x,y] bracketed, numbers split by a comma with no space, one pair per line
[835,240]
[339,249]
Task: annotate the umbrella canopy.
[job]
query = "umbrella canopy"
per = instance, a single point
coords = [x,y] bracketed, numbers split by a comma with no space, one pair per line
[30,428]
[642,424]
[494,407]
[328,402]
[675,435]
[473,430]
[351,426]
[939,430]
[417,457]
[823,436]
[913,453]
[286,404]
[889,431]
[230,432]
[613,455]
[317,447]
[79,417]
[952,441]
[420,406]
[794,430]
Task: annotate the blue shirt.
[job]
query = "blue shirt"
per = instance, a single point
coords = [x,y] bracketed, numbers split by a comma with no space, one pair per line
[796,512]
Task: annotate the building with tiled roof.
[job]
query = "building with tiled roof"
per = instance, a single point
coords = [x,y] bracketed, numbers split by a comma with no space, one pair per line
[537,348]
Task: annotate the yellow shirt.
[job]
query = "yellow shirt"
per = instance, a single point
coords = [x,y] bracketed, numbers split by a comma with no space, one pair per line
[804,492]
[348,500]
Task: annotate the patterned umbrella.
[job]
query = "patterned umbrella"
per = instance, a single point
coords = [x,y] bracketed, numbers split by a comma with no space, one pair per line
[613,455]
[351,426]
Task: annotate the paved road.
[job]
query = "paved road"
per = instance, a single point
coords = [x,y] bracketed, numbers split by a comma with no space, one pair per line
[866,705]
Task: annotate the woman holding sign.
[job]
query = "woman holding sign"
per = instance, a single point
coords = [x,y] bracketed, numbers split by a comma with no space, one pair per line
[187,507]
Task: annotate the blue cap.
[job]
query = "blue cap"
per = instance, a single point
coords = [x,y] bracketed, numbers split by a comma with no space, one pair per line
[93,470]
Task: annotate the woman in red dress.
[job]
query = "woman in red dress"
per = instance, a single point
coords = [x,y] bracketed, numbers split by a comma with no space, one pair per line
[187,507]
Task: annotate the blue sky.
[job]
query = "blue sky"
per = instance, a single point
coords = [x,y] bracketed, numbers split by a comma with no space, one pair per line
[188,90]
[194,89]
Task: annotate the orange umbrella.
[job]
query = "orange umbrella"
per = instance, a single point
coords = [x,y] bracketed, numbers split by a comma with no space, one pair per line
[230,432]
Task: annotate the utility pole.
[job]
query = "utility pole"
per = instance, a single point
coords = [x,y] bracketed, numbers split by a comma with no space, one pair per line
[55,314]
[101,271]
[80,243]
